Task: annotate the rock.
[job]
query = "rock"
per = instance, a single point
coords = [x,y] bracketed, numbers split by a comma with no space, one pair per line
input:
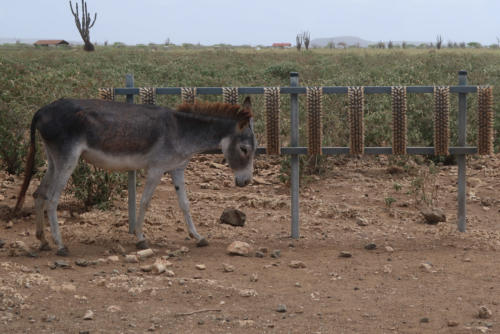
[484,313]
[68,287]
[452,323]
[345,254]
[62,264]
[370,246]
[296,264]
[113,258]
[169,273]
[424,320]
[147,268]
[246,323]
[275,254]
[239,248]
[89,315]
[433,216]
[259,254]
[427,267]
[2,243]
[119,249]
[281,308]
[144,254]
[131,258]
[389,249]
[19,248]
[361,221]
[200,266]
[254,277]
[387,269]
[9,225]
[114,309]
[158,268]
[227,268]
[81,262]
[248,293]
[233,217]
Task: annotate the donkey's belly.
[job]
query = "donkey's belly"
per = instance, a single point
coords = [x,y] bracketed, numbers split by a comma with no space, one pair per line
[115,161]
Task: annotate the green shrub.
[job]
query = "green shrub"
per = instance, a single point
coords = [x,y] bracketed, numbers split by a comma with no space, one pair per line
[96,187]
[13,142]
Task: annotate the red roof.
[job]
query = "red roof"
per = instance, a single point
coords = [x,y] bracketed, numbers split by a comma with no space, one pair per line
[282,45]
[51,42]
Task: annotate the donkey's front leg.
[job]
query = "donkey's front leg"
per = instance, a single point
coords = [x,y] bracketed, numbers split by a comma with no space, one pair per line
[152,180]
[178,179]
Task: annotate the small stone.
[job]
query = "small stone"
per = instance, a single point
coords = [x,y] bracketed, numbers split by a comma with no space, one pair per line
[370,246]
[114,309]
[147,268]
[389,249]
[131,258]
[361,221]
[345,254]
[169,273]
[387,269]
[276,254]
[119,249]
[424,320]
[62,264]
[248,293]
[259,254]
[227,268]
[452,323]
[200,266]
[426,267]
[81,262]
[484,312]
[246,323]
[9,225]
[296,264]
[233,217]
[298,285]
[158,268]
[67,287]
[254,277]
[144,254]
[113,258]
[433,216]
[281,308]
[239,248]
[89,315]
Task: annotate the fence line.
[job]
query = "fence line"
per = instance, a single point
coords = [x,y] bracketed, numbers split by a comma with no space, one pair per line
[294,150]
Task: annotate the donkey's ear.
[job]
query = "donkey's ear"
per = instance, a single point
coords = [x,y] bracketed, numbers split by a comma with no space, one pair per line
[247,104]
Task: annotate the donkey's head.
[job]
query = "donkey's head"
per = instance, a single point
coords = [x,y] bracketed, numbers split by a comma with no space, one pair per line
[239,147]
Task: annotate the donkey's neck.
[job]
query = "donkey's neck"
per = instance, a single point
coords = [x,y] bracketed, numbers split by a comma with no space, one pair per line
[201,133]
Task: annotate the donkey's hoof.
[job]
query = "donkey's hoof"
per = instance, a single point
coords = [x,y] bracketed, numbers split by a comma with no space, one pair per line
[62,251]
[202,242]
[44,247]
[143,244]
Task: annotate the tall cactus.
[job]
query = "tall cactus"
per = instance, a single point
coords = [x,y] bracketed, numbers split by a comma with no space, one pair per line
[84,24]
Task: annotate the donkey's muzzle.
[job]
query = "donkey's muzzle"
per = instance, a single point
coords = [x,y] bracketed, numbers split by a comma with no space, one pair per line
[240,182]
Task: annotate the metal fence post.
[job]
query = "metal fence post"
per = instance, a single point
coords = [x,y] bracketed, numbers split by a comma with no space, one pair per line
[462,137]
[294,142]
[129,82]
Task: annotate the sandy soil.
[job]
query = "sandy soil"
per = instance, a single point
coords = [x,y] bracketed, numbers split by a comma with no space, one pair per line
[414,278]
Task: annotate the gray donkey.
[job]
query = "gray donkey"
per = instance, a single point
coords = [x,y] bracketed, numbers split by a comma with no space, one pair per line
[121,136]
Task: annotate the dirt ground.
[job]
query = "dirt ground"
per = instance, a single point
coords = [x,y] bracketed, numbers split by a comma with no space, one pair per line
[403,276]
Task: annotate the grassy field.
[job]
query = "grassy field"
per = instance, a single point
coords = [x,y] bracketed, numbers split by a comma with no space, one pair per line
[34,77]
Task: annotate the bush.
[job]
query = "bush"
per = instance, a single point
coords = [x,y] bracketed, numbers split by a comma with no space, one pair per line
[281,70]
[95,186]
[13,143]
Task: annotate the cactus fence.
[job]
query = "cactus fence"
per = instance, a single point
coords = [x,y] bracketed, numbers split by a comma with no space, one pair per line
[356,106]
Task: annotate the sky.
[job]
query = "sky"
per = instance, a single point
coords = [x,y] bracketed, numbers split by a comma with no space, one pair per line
[255,22]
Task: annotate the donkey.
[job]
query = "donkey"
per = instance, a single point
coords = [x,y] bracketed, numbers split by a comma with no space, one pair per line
[122,136]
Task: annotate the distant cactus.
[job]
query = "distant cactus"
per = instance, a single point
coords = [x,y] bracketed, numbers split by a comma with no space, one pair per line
[84,24]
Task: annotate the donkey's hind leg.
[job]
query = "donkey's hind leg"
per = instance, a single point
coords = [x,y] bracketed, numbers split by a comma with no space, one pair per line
[178,179]
[152,180]
[64,167]
[41,195]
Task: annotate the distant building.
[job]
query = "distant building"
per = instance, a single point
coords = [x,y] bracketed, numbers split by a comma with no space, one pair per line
[282,45]
[51,42]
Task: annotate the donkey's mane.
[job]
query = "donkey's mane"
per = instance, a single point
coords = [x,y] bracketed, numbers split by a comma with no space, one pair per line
[217,109]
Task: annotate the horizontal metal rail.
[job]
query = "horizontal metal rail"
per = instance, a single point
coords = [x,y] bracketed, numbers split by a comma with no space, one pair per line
[298,90]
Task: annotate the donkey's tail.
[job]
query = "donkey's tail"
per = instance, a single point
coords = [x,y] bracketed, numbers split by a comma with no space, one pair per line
[30,164]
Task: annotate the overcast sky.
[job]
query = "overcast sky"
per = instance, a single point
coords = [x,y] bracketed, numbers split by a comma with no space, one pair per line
[255,21]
